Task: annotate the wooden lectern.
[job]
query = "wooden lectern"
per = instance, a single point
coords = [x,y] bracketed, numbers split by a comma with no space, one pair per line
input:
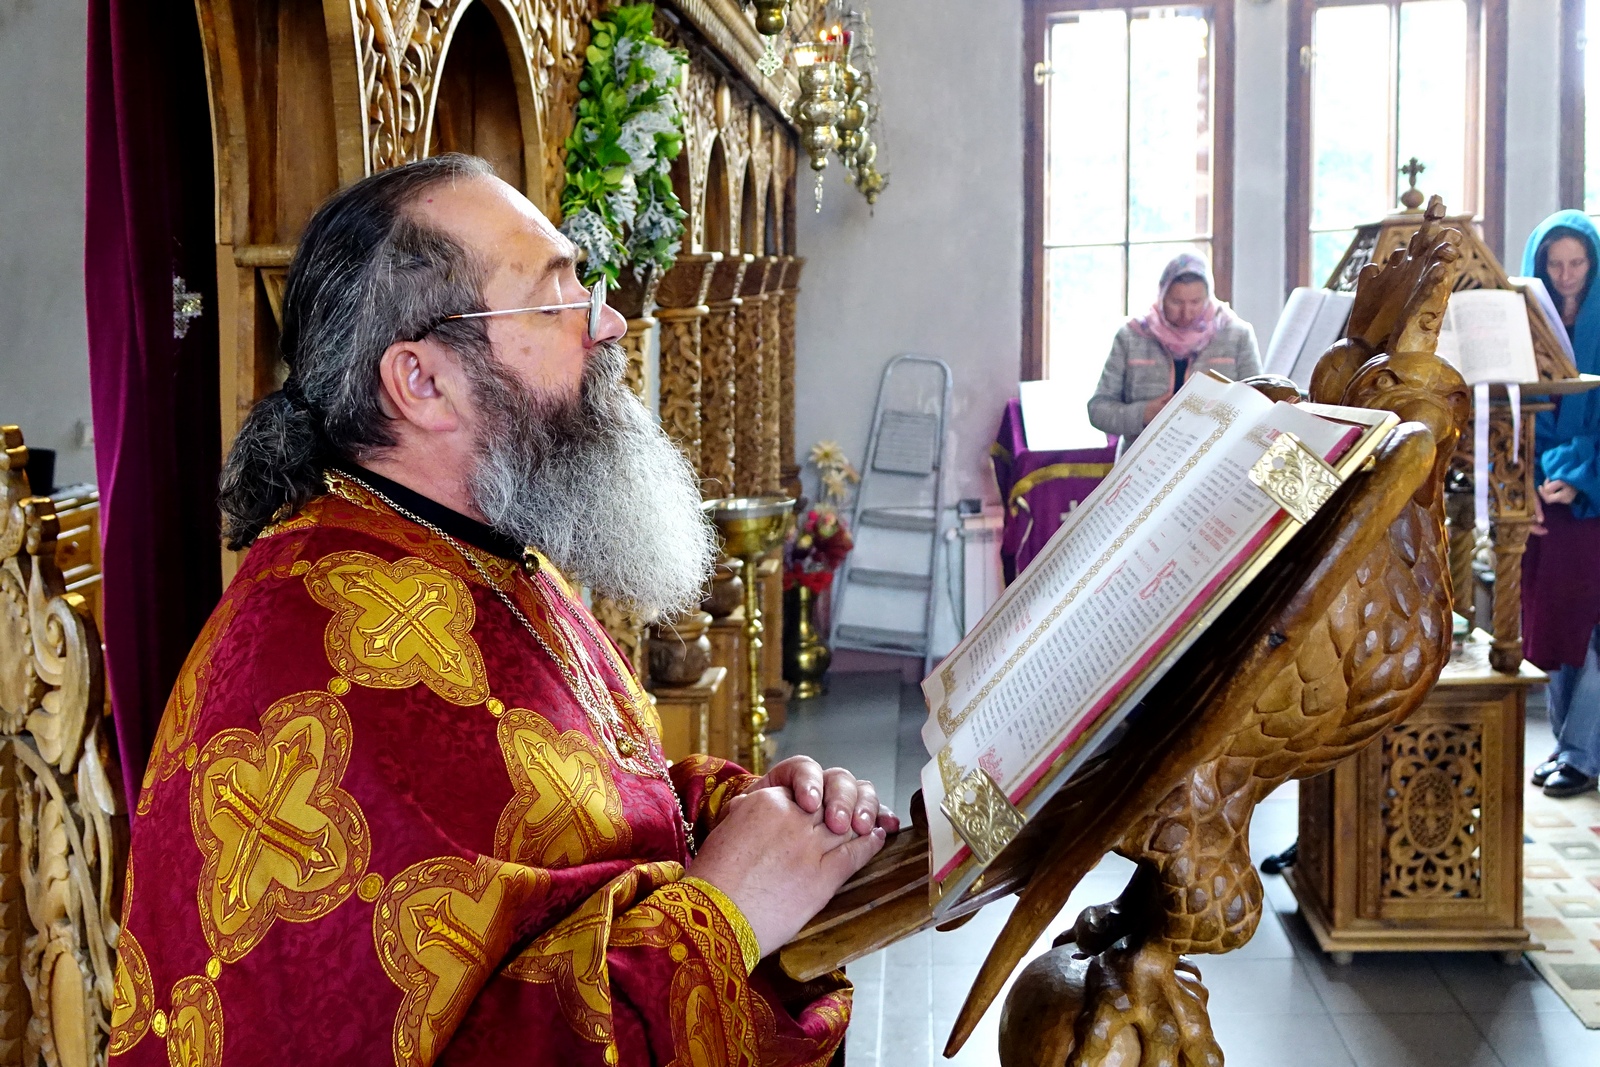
[1416,844]
[1338,640]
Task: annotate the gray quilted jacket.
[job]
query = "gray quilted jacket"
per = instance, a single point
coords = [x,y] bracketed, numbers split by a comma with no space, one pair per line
[1139,370]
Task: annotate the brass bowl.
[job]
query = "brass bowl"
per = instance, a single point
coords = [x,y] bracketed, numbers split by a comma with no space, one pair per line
[750,526]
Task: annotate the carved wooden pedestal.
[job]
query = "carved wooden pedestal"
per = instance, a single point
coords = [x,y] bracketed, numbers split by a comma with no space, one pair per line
[686,711]
[682,311]
[729,733]
[751,452]
[719,389]
[790,471]
[1511,494]
[1416,842]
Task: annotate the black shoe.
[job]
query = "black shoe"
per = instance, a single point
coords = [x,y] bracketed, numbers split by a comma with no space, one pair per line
[1542,773]
[1568,781]
[1286,858]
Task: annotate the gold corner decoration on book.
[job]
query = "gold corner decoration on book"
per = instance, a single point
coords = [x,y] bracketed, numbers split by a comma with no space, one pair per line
[983,815]
[1296,478]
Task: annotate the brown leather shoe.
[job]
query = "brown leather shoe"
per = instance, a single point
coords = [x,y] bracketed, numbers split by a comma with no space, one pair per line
[1567,781]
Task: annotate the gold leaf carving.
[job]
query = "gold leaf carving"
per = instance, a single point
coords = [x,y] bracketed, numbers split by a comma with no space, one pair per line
[982,814]
[1296,478]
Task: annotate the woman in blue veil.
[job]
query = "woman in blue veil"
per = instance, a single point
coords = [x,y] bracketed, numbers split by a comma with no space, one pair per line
[1561,571]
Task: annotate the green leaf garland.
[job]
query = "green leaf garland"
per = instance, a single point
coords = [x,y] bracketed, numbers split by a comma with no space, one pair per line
[618,206]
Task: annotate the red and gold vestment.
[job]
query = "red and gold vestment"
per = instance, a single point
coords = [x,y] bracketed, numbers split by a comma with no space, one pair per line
[381,824]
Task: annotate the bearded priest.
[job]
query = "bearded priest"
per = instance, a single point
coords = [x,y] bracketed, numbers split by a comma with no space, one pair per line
[407,802]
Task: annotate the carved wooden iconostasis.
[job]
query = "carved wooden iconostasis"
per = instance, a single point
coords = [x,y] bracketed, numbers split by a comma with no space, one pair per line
[307,97]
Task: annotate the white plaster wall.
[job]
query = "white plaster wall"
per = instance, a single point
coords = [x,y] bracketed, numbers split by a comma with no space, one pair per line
[938,269]
[44,368]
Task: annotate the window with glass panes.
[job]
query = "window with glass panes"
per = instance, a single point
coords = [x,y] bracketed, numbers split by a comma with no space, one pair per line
[1129,165]
[1388,81]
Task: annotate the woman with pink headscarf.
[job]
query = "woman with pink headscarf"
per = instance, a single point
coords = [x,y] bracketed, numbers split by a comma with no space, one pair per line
[1186,331]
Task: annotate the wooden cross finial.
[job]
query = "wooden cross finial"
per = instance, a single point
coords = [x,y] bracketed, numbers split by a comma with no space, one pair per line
[1411,199]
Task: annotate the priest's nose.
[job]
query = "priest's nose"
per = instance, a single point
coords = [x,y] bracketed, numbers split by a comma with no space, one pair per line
[612,326]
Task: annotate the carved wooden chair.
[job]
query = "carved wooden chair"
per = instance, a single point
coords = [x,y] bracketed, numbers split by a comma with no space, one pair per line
[63,826]
[1340,639]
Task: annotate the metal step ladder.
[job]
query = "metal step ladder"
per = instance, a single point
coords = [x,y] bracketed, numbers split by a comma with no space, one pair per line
[884,600]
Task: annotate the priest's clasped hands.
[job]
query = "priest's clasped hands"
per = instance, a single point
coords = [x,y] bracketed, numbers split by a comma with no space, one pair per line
[785,847]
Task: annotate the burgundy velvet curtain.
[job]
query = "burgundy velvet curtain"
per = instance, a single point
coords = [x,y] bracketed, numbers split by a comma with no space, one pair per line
[149,217]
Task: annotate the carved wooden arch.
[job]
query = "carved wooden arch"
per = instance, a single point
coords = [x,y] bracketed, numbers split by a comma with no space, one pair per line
[719,204]
[761,138]
[388,97]
[750,213]
[531,105]
[697,96]
[733,133]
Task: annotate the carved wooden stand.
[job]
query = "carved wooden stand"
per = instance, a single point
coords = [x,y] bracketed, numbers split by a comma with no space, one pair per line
[686,712]
[728,726]
[775,690]
[63,823]
[1416,843]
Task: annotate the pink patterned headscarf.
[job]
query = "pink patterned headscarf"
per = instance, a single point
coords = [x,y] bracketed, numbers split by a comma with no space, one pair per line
[1183,342]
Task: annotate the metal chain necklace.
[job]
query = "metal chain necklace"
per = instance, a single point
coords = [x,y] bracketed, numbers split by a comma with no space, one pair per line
[631,754]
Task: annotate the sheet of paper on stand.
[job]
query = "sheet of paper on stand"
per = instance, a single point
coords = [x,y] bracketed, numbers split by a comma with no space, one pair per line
[1055,418]
[1289,336]
[1540,295]
[1485,336]
[1312,320]
[1196,508]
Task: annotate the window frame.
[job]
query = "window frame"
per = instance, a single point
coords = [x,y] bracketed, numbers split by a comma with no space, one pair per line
[1037,17]
[1486,74]
[1574,152]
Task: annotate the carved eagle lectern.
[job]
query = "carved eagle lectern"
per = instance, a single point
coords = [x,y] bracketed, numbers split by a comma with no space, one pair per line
[1350,652]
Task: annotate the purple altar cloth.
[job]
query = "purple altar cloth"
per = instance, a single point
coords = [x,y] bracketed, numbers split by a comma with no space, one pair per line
[1038,488]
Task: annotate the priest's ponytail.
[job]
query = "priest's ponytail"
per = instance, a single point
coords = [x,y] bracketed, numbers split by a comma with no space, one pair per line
[365,275]
[273,468]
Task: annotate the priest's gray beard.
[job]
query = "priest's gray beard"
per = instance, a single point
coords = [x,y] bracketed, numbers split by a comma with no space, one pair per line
[595,484]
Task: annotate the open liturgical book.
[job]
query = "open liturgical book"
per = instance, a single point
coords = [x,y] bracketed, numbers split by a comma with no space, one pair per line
[1485,336]
[1198,506]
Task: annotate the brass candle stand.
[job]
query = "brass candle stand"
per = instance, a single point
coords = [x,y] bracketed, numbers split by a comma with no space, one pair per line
[750,528]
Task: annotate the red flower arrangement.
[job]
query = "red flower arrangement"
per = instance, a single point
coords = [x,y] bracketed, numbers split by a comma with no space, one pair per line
[816,547]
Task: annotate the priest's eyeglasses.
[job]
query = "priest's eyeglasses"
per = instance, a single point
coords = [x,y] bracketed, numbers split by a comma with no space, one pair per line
[596,305]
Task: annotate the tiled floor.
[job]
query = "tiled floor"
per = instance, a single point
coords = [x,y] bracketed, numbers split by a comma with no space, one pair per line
[1276,1001]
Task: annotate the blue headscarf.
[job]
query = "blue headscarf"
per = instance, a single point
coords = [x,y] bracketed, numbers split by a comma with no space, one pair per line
[1579,414]
[1568,439]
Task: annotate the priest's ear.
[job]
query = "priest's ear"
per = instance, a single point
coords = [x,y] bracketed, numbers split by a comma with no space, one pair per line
[420,382]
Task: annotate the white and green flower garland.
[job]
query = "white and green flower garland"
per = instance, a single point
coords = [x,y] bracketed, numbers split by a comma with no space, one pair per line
[618,204]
